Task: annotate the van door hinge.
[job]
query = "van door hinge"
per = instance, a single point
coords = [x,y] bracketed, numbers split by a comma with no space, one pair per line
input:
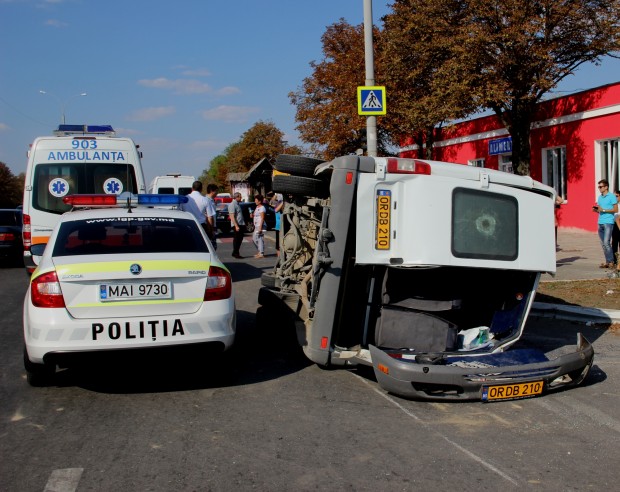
[381,167]
[484,180]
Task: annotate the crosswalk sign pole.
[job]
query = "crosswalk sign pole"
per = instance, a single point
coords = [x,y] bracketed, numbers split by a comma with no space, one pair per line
[371,121]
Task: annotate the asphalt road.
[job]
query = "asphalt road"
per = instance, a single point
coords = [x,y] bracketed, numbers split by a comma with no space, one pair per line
[262,418]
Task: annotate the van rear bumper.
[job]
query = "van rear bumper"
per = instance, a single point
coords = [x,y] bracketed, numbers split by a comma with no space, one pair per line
[452,381]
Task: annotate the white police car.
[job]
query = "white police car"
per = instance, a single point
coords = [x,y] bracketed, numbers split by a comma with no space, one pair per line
[120,276]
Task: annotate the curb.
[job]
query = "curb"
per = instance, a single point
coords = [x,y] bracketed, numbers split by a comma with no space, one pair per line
[575,313]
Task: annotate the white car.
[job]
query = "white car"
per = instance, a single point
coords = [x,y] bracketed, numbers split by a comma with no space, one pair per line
[123,277]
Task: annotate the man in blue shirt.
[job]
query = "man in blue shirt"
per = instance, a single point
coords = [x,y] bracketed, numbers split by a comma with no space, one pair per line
[606,206]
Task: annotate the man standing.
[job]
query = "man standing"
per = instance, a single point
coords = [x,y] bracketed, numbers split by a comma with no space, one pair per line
[606,206]
[211,213]
[238,224]
[197,205]
[259,224]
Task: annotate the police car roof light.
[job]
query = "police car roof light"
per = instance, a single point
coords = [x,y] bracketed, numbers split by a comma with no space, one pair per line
[407,166]
[90,200]
[154,199]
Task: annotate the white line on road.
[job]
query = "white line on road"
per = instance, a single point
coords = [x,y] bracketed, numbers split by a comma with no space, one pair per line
[64,480]
[409,413]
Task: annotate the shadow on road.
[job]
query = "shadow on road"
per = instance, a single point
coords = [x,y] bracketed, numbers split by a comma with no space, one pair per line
[256,356]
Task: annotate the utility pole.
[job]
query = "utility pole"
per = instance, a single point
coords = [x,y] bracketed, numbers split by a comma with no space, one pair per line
[371,121]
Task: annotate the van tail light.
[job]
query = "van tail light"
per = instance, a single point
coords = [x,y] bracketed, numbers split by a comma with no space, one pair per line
[219,284]
[26,232]
[408,166]
[45,291]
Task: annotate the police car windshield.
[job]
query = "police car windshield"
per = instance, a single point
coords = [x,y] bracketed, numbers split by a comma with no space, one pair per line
[123,235]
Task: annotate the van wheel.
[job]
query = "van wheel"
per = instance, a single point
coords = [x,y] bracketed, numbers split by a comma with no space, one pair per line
[297,165]
[38,374]
[297,185]
[249,227]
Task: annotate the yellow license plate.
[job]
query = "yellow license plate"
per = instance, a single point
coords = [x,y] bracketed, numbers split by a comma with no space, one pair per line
[383,218]
[512,391]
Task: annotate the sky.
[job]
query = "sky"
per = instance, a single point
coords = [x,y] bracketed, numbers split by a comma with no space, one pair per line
[184,79]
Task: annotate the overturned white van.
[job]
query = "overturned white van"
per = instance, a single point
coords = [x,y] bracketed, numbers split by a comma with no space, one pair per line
[425,270]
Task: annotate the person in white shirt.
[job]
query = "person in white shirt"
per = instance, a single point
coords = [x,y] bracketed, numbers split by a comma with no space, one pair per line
[211,213]
[196,205]
[259,226]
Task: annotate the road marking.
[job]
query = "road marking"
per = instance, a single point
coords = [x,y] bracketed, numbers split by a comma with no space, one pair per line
[409,413]
[64,480]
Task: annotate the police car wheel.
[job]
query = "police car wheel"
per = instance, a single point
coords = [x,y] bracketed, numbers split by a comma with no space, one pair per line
[297,185]
[38,374]
[297,165]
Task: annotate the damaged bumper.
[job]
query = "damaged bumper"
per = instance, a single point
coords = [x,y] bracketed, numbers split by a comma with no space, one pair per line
[517,373]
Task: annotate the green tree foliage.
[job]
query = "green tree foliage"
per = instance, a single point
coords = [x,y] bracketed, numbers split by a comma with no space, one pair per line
[262,140]
[503,55]
[11,187]
[327,100]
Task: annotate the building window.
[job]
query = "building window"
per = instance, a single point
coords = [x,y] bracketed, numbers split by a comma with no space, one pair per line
[505,163]
[554,170]
[476,162]
[609,163]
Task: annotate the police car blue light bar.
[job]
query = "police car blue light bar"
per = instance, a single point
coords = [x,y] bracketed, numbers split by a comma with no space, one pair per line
[154,199]
[124,200]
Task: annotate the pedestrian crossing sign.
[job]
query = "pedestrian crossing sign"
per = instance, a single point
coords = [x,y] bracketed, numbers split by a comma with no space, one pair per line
[371,100]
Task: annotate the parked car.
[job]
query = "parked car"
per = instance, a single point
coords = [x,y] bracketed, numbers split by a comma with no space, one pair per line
[223,219]
[117,278]
[11,246]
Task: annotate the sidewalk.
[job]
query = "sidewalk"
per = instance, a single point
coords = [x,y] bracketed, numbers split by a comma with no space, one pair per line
[578,258]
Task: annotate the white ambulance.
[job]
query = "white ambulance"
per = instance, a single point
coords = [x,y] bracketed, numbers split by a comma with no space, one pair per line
[75,159]
[172,184]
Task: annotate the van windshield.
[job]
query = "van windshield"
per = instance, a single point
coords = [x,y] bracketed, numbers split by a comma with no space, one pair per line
[52,182]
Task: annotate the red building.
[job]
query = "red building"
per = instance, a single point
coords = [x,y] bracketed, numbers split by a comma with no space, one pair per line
[575,142]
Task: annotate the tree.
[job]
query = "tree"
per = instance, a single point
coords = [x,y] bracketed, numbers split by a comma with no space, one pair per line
[415,46]
[11,187]
[326,102]
[262,140]
[510,53]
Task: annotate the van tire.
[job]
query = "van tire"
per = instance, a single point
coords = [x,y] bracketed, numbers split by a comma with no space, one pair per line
[297,185]
[297,165]
[276,300]
[269,280]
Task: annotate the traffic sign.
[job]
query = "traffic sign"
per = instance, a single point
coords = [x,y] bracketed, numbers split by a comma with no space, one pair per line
[371,100]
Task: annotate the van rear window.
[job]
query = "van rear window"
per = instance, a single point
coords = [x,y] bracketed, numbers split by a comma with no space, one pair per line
[52,182]
[485,225]
[140,235]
